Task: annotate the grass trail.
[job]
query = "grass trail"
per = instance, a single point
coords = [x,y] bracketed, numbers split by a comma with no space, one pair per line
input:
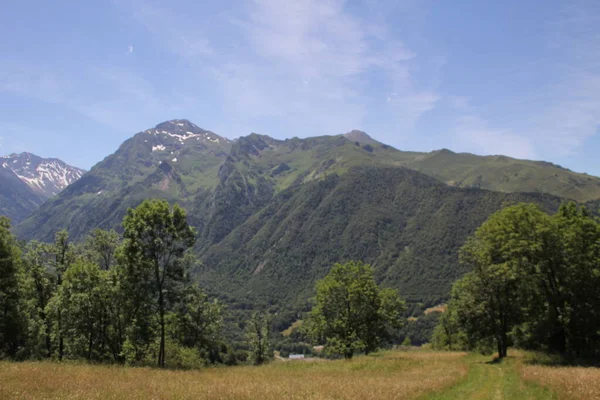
[494,380]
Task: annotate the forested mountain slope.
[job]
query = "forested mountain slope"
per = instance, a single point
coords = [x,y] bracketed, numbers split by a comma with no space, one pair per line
[175,160]
[408,225]
[273,215]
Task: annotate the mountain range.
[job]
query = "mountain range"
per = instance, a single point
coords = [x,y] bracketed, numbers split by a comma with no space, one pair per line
[27,181]
[273,215]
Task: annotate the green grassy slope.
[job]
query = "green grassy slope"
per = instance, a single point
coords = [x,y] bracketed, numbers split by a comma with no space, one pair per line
[505,174]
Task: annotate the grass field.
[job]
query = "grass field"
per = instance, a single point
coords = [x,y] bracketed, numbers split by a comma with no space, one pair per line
[397,375]
[390,375]
[567,382]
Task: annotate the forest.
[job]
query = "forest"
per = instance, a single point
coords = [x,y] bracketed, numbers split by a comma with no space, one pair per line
[532,283]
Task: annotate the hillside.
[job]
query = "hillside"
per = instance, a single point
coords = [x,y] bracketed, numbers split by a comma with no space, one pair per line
[273,215]
[27,181]
[408,225]
[17,200]
[505,174]
[176,160]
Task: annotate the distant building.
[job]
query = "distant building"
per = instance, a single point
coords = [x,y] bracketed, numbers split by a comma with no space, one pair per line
[296,356]
[318,349]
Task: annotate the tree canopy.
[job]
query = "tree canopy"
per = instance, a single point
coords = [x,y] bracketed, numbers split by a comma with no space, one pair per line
[534,282]
[352,314]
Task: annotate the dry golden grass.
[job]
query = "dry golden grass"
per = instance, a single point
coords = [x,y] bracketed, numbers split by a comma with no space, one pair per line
[568,382]
[441,308]
[393,375]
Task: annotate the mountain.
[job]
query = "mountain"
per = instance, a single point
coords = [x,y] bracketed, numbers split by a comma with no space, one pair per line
[175,160]
[17,200]
[407,225]
[360,137]
[45,176]
[26,181]
[273,215]
[505,174]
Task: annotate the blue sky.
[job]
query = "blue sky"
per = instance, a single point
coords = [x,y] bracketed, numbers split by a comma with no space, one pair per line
[520,78]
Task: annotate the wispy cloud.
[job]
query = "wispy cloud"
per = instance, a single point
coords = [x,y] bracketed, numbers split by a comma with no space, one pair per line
[563,113]
[104,94]
[181,32]
[475,133]
[308,64]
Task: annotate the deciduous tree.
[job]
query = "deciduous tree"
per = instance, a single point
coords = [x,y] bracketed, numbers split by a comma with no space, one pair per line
[351,313]
[156,239]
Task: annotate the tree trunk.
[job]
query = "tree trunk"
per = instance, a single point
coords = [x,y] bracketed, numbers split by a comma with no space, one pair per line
[348,353]
[47,334]
[502,344]
[90,343]
[60,337]
[161,352]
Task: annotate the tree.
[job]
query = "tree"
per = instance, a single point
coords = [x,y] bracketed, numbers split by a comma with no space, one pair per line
[101,246]
[82,302]
[12,324]
[489,300]
[534,281]
[198,322]
[38,289]
[257,334]
[61,257]
[447,334]
[351,313]
[567,279]
[156,239]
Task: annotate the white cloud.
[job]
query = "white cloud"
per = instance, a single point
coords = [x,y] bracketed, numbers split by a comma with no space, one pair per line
[181,32]
[129,49]
[121,95]
[563,114]
[306,64]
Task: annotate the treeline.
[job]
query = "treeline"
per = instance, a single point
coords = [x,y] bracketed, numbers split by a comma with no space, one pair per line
[126,300]
[534,283]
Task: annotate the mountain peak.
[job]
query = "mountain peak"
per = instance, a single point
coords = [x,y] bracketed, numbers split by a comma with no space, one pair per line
[359,136]
[182,129]
[45,176]
[177,124]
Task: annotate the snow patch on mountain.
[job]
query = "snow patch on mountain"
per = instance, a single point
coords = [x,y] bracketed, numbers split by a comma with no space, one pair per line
[44,176]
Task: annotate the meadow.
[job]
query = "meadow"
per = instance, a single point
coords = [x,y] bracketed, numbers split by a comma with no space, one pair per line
[387,375]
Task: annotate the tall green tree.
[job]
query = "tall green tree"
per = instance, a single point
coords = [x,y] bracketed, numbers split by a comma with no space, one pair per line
[156,239]
[257,333]
[12,323]
[447,334]
[351,313]
[198,322]
[62,255]
[534,281]
[490,300]
[568,278]
[82,302]
[38,289]
[101,247]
